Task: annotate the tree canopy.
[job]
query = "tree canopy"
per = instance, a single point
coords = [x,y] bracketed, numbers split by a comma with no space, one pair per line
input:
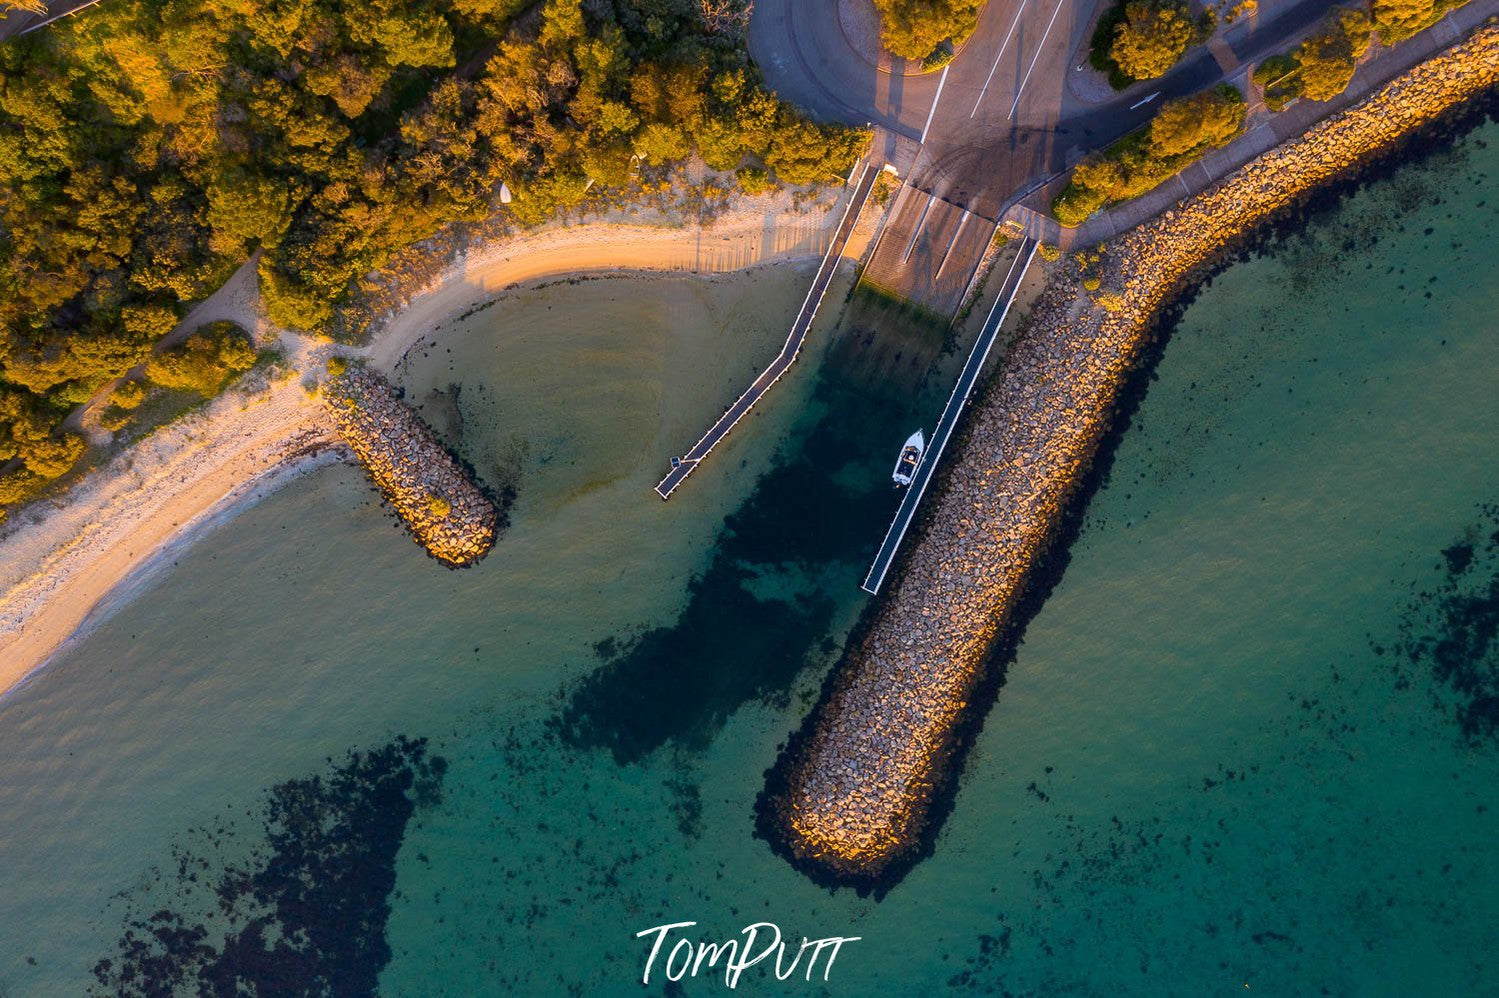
[912,29]
[1182,131]
[147,148]
[1322,66]
[1398,20]
[1152,37]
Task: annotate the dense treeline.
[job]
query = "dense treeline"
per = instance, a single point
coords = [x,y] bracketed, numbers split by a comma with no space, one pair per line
[147,148]
[913,29]
[1322,66]
[1183,131]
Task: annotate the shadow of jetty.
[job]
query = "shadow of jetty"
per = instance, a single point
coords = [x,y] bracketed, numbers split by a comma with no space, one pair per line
[1418,148]
[760,613]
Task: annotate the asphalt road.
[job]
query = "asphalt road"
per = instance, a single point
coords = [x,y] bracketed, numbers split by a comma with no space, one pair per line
[1006,117]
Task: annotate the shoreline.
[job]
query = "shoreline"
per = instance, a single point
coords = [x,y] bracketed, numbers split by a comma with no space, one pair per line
[64,559]
[860,792]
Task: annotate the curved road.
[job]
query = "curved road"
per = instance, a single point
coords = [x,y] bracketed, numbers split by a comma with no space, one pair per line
[1006,117]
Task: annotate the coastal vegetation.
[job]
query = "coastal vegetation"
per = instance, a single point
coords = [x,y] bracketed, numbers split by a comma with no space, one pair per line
[205,362]
[1142,39]
[923,30]
[1182,131]
[1322,66]
[1397,20]
[148,149]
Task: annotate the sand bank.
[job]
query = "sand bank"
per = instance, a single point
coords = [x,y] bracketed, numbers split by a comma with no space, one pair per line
[59,558]
[852,796]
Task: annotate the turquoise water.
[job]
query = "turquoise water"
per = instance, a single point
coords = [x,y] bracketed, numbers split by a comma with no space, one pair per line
[1249,741]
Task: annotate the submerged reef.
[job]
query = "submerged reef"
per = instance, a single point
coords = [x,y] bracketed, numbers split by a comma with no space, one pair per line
[437,499]
[303,910]
[852,798]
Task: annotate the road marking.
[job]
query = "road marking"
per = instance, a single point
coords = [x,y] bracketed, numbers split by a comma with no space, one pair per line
[1039,46]
[933,112]
[1142,103]
[1002,46]
[945,256]
[917,231]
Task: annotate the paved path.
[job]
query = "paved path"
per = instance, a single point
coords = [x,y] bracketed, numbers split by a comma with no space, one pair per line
[1026,251]
[685,465]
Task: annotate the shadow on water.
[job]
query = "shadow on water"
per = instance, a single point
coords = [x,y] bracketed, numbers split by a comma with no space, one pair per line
[762,610]
[1422,147]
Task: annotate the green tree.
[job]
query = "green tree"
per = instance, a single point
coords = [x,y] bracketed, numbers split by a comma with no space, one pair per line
[247,209]
[912,29]
[1397,20]
[205,362]
[1152,37]
[1190,126]
[1182,131]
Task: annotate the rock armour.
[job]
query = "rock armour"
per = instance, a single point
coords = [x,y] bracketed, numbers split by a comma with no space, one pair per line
[441,505]
[854,796]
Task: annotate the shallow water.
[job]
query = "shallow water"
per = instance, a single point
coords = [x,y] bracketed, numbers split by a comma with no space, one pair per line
[1243,743]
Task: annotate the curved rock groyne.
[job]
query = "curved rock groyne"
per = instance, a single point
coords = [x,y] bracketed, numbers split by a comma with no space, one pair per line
[443,507]
[851,798]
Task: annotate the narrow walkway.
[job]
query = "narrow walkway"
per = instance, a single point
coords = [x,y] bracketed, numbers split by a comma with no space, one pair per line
[687,463]
[950,415]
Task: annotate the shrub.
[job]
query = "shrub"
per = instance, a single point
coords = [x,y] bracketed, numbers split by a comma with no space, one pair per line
[1076,203]
[912,29]
[1397,20]
[1091,282]
[1152,37]
[438,506]
[206,362]
[1182,131]
[754,180]
[1322,66]
[19,486]
[337,366]
[940,56]
[1280,78]
[127,395]
[1050,253]
[1100,56]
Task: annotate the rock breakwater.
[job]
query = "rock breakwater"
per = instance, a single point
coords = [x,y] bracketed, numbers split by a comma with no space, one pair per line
[438,501]
[852,797]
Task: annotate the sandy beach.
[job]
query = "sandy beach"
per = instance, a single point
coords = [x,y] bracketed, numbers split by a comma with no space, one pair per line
[61,558]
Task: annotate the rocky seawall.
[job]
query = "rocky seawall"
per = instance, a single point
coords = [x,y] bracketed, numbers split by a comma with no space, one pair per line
[439,502]
[852,797]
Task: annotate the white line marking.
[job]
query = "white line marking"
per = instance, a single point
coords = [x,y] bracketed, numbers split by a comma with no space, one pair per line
[1142,103]
[917,231]
[1034,58]
[1003,45]
[946,256]
[933,112]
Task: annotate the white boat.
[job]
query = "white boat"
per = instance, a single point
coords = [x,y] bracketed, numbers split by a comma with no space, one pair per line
[910,459]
